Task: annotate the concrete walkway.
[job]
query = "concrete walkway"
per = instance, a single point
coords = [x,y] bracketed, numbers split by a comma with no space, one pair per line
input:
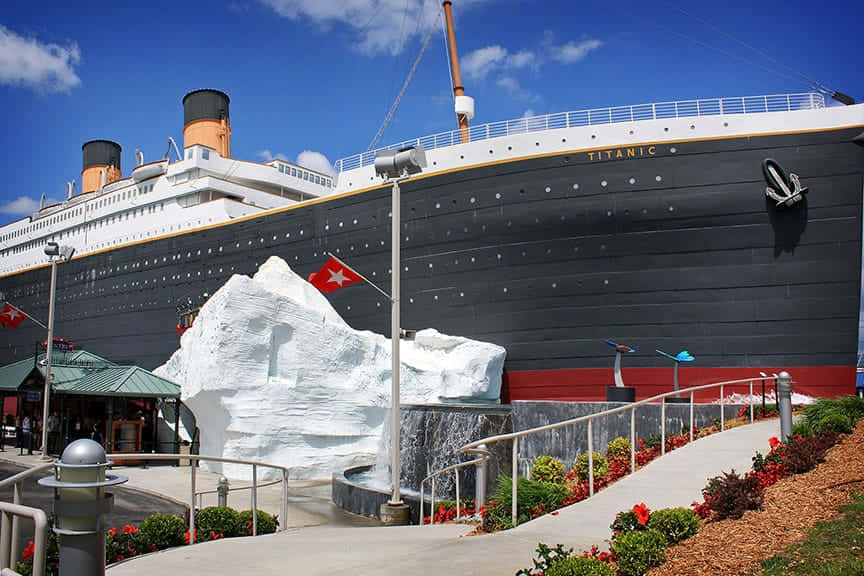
[673,480]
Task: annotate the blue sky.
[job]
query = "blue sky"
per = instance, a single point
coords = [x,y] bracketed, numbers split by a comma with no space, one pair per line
[319,75]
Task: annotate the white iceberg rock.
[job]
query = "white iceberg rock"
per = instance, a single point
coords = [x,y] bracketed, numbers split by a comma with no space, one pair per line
[273,373]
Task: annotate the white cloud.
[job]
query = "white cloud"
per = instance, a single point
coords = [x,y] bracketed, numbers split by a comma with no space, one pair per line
[478,64]
[30,63]
[24,206]
[515,89]
[266,155]
[379,25]
[528,113]
[315,161]
[574,51]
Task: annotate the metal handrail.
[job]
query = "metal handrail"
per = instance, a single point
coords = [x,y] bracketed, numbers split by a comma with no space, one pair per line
[16,481]
[485,457]
[193,458]
[8,551]
[474,448]
[612,115]
[201,493]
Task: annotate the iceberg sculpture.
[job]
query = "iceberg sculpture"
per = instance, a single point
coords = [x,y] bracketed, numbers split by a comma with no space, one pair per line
[273,373]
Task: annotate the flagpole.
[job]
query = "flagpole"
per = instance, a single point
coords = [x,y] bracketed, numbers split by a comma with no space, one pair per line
[25,314]
[361,276]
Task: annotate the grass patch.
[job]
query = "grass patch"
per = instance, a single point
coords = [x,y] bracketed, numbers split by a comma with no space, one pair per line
[832,548]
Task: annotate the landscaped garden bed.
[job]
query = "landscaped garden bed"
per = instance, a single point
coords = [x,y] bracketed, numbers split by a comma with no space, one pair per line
[745,518]
[159,532]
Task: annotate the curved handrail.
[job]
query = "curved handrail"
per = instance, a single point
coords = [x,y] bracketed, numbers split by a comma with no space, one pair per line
[198,458]
[15,479]
[474,448]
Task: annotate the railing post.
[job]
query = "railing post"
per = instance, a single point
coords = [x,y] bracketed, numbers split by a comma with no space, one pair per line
[16,526]
[692,420]
[654,111]
[632,439]
[515,488]
[40,544]
[283,509]
[254,500]
[788,103]
[811,101]
[5,540]
[765,99]
[191,501]
[722,411]
[432,511]
[750,401]
[590,459]
[480,481]
[663,427]
[422,504]
[458,513]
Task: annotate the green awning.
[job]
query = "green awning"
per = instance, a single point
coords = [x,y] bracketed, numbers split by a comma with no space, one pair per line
[82,373]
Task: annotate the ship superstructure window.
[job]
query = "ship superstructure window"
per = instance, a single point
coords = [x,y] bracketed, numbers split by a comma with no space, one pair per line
[205,154]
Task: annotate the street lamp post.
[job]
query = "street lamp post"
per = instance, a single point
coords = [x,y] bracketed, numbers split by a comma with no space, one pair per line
[396,165]
[63,254]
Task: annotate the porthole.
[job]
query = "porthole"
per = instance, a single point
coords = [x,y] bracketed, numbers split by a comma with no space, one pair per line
[505,289]
[665,129]
[632,180]
[692,126]
[548,189]
[491,152]
[509,148]
[536,143]
[604,183]
[671,208]
[673,150]
[575,186]
[472,200]
[658,178]
[563,140]
[497,195]
[411,300]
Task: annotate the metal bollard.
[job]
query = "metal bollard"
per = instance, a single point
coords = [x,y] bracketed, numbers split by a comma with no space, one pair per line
[480,480]
[784,404]
[80,504]
[222,491]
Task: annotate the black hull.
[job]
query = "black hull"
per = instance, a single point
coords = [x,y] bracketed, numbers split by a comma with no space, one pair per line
[698,259]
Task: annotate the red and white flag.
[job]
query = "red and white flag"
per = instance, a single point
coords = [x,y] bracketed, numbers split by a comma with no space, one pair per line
[334,275]
[11,317]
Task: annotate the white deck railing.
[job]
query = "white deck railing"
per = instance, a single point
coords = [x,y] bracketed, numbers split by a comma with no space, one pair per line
[614,115]
[479,449]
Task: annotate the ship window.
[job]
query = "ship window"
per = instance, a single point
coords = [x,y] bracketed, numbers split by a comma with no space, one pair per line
[189,154]
[294,172]
[305,176]
[205,154]
[281,168]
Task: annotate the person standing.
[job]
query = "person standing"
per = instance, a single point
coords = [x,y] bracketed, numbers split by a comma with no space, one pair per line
[26,424]
[53,425]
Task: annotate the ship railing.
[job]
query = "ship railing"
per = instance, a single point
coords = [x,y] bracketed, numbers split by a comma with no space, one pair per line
[479,449]
[612,115]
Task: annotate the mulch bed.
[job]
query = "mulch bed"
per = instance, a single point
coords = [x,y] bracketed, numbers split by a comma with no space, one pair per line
[791,507]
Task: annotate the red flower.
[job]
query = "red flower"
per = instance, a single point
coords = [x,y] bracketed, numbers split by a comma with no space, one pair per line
[194,536]
[28,551]
[129,529]
[642,513]
[774,442]
[112,531]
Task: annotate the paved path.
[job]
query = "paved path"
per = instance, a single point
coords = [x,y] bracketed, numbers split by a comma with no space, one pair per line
[673,480]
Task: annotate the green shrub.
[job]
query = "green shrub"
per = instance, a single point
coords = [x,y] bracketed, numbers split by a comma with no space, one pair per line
[638,552]
[220,520]
[802,428]
[676,524]
[850,407]
[548,469]
[579,566]
[730,495]
[837,423]
[531,496]
[618,449]
[601,466]
[267,523]
[162,531]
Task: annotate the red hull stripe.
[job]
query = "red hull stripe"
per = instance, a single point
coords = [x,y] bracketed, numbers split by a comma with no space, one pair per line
[589,384]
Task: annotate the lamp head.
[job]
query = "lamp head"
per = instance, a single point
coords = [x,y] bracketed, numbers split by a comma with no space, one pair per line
[400,163]
[52,249]
[66,252]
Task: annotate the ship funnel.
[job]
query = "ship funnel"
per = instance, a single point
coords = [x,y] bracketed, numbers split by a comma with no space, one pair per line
[206,121]
[100,156]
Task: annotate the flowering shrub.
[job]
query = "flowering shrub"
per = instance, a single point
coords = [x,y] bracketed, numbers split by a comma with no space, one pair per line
[630,520]
[608,557]
[531,495]
[546,557]
[267,523]
[220,521]
[580,566]
[163,530]
[701,509]
[124,544]
[446,512]
[548,469]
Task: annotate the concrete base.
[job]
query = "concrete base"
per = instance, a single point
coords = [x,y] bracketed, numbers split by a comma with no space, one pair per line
[620,394]
[395,514]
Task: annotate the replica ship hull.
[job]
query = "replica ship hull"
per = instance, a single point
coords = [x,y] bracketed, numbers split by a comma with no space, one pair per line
[662,246]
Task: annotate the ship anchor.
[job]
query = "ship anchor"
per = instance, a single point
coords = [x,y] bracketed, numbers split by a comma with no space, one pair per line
[785,191]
